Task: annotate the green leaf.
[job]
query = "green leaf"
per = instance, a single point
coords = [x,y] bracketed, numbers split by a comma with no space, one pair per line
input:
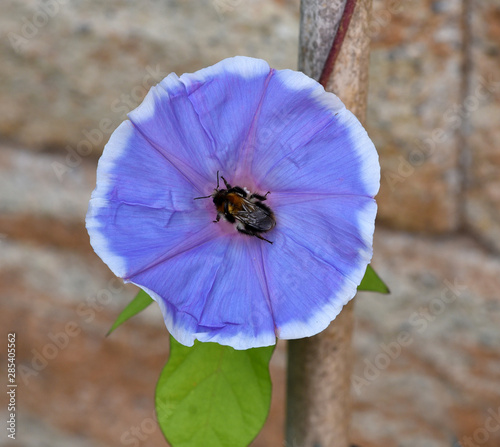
[211,395]
[140,302]
[371,282]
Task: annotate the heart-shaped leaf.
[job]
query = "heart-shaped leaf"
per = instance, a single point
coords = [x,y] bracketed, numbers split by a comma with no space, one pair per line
[211,395]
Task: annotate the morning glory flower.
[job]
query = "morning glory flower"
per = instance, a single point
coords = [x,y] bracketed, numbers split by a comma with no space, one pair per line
[262,130]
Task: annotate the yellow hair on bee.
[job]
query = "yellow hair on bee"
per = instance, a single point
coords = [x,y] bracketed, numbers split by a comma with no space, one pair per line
[235,203]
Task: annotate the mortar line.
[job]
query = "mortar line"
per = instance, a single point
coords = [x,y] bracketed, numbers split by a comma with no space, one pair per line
[464,150]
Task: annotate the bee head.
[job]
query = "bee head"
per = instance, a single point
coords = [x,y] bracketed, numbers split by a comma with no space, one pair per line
[219,197]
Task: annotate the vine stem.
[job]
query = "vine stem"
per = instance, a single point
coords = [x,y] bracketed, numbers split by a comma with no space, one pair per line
[320,367]
[337,42]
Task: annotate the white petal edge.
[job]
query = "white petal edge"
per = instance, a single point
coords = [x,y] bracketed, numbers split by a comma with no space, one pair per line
[114,149]
[100,243]
[183,336]
[187,338]
[297,81]
[326,314]
[246,67]
[240,342]
[369,169]
[168,85]
[320,320]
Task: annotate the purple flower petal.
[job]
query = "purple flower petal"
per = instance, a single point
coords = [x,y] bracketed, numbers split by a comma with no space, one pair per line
[306,140]
[142,209]
[213,293]
[323,245]
[263,129]
[343,229]
[227,97]
[167,120]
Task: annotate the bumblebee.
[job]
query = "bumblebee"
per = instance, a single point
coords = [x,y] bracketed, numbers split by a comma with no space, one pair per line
[237,205]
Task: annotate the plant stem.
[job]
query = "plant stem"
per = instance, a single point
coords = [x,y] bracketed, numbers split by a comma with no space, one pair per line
[319,367]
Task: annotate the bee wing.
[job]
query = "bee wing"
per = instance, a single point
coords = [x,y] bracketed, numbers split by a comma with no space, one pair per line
[255,216]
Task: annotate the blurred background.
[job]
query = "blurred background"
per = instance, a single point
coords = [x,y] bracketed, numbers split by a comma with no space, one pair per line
[427,368]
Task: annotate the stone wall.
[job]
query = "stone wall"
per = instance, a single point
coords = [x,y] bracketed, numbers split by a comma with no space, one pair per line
[415,81]
[434,112]
[427,361]
[70,71]
[77,66]
[481,111]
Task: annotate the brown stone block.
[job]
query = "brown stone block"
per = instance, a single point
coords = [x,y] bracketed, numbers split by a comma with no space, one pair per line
[482,207]
[427,357]
[71,71]
[415,82]
[75,385]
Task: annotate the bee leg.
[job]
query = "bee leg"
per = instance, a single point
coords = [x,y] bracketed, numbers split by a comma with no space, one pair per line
[263,238]
[252,233]
[228,186]
[217,218]
[238,190]
[259,196]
